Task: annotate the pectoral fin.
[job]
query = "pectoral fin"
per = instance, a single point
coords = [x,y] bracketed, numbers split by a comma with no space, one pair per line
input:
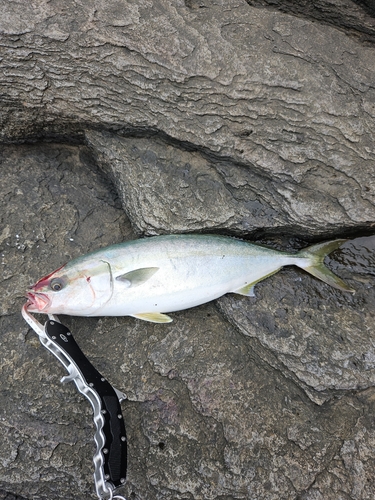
[137,277]
[153,317]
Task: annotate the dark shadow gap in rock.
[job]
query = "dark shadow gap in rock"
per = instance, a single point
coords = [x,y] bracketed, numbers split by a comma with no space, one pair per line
[367,5]
[299,241]
[353,17]
[4,495]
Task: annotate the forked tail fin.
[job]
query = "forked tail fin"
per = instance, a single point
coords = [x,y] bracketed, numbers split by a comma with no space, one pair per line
[314,255]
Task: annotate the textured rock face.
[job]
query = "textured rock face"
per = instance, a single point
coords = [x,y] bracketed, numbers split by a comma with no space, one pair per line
[320,335]
[356,18]
[180,117]
[281,94]
[54,206]
[211,413]
[164,187]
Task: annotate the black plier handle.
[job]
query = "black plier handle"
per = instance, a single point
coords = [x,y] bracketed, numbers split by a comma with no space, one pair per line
[110,459]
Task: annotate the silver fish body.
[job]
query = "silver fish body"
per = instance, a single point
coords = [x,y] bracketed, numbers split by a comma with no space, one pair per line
[149,277]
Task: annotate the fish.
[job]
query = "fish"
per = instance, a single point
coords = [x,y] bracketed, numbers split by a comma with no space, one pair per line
[150,277]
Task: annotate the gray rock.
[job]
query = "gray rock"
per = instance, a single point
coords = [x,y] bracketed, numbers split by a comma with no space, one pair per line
[207,116]
[346,476]
[207,415]
[282,95]
[320,335]
[165,188]
[355,17]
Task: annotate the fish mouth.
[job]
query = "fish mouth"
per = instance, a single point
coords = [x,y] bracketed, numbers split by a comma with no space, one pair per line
[37,302]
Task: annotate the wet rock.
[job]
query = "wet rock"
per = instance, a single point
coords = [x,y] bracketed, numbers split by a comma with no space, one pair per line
[347,474]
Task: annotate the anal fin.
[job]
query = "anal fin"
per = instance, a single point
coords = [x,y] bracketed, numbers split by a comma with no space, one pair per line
[247,290]
[153,317]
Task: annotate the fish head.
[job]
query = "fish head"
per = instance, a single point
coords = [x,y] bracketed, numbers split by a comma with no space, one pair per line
[77,290]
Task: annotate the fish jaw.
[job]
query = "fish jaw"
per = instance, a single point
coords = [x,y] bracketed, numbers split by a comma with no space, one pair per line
[37,302]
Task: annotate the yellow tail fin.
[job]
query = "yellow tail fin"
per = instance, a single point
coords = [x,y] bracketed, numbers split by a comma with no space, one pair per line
[315,255]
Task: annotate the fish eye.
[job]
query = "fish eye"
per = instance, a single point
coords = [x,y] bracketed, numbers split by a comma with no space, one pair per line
[56,284]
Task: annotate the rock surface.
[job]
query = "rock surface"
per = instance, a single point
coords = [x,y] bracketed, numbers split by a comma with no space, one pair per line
[163,187]
[281,94]
[322,336]
[208,415]
[193,116]
[356,18]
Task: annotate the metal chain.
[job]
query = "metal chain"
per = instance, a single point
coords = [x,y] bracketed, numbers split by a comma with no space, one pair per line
[116,497]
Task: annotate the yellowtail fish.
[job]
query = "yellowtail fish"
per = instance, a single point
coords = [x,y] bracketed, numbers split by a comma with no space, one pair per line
[149,277]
